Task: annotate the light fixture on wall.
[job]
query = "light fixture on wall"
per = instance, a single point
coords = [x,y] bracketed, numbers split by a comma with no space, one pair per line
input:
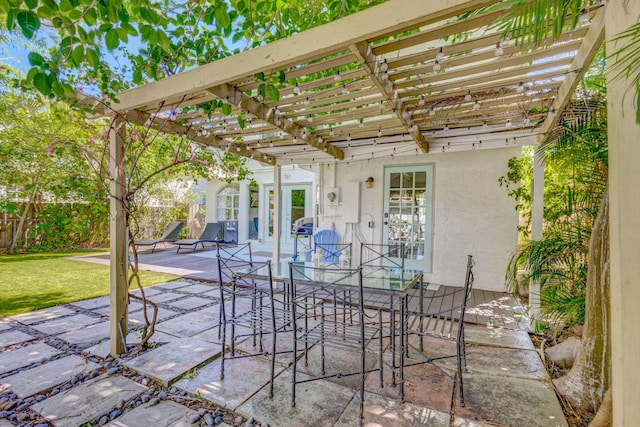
[369,182]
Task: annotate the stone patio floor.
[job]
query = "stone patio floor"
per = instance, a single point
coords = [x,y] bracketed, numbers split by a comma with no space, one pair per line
[55,370]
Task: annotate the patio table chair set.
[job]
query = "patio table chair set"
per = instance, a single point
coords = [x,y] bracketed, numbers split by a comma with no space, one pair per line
[328,307]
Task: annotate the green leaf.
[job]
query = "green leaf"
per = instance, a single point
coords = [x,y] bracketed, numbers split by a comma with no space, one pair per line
[65,6]
[35,59]
[78,54]
[137,76]
[226,109]
[92,57]
[149,15]
[122,33]
[41,83]
[90,18]
[272,92]
[222,17]
[28,22]
[164,41]
[282,77]
[11,19]
[51,4]
[241,122]
[31,4]
[112,39]
[46,12]
[75,14]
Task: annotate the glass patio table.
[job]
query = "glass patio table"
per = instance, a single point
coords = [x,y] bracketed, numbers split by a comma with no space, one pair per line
[390,284]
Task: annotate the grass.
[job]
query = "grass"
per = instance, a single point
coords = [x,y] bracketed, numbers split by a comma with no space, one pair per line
[34,281]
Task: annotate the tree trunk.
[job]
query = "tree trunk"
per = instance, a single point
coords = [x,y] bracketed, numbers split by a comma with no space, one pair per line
[589,379]
[16,235]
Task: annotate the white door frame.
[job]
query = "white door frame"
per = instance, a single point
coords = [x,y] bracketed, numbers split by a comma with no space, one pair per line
[408,218]
[286,223]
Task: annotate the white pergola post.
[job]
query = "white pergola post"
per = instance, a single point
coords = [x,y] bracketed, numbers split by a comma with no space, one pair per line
[277,211]
[537,216]
[624,210]
[118,238]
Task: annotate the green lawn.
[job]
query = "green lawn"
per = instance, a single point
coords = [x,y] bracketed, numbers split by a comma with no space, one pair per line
[33,281]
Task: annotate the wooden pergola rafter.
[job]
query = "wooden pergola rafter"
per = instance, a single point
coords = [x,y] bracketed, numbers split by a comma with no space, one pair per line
[395,72]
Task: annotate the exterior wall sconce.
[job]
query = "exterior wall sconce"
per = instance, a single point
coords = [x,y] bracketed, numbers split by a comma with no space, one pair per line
[369,182]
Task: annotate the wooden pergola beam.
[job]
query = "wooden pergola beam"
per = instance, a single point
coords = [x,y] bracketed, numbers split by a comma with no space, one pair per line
[233,96]
[371,63]
[392,17]
[170,127]
[591,43]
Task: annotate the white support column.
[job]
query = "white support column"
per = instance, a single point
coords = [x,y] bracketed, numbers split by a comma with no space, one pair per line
[624,211]
[243,213]
[118,238]
[277,211]
[537,216]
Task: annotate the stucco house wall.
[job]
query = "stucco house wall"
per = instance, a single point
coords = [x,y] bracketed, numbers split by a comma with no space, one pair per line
[471,212]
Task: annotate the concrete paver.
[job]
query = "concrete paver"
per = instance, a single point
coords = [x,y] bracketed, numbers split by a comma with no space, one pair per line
[190,324]
[389,412]
[40,378]
[510,401]
[102,349]
[8,338]
[65,324]
[87,401]
[25,356]
[148,292]
[4,325]
[175,284]
[88,334]
[199,289]
[93,302]
[137,317]
[498,337]
[166,296]
[45,314]
[318,403]
[189,303]
[165,413]
[171,361]
[237,386]
[11,337]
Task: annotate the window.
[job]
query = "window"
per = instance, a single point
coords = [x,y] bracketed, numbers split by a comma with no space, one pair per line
[228,203]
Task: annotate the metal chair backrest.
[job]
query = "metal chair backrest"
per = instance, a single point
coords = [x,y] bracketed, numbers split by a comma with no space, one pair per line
[382,255]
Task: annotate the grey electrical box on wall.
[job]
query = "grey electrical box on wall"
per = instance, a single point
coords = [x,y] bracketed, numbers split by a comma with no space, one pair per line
[351,202]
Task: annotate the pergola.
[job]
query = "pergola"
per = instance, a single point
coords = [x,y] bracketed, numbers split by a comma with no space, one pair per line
[404,77]
[396,79]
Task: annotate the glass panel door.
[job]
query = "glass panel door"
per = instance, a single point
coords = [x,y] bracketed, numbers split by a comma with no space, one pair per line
[296,203]
[408,214]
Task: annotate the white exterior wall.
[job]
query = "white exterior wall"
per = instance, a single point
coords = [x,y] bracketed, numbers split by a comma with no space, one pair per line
[472,213]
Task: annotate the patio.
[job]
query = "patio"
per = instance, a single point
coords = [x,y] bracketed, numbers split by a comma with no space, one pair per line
[55,364]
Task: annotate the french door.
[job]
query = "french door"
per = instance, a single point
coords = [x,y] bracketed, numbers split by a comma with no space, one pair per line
[296,203]
[408,212]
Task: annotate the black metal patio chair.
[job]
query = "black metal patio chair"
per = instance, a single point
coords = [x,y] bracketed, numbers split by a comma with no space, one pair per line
[438,312]
[328,312]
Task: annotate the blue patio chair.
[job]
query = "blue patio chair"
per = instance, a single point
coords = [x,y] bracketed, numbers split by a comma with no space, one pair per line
[327,240]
